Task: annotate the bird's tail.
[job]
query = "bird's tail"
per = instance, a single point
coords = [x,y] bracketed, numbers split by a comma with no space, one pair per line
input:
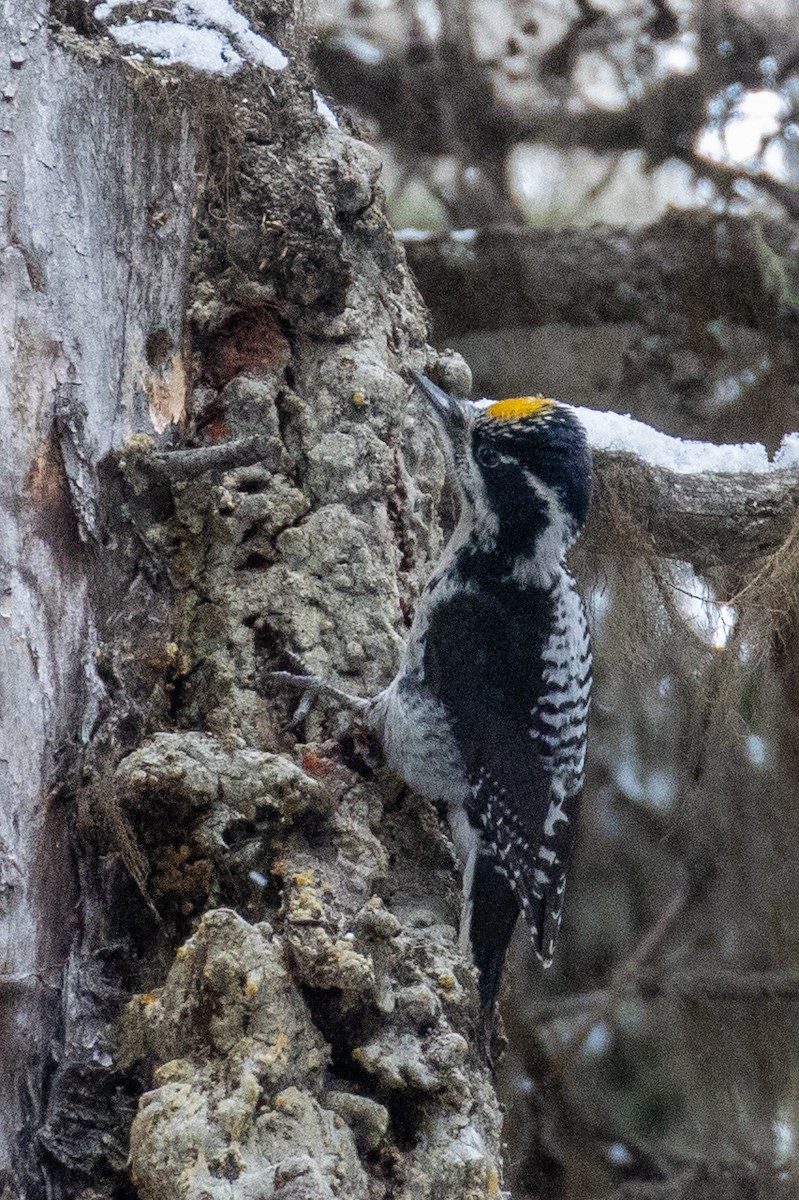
[545,925]
[489,918]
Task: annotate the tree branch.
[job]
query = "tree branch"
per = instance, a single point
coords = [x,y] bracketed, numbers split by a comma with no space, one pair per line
[381,84]
[502,277]
[463,107]
[708,519]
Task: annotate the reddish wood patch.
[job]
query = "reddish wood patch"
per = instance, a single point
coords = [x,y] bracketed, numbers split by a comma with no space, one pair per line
[316,765]
[48,500]
[248,343]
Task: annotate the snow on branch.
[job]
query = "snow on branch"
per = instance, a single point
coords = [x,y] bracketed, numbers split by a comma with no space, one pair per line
[706,504]
[622,433]
[709,505]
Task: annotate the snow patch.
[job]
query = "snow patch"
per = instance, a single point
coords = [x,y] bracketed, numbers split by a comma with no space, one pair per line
[787,456]
[325,111]
[204,49]
[413,235]
[263,52]
[212,12]
[104,10]
[619,431]
[209,35]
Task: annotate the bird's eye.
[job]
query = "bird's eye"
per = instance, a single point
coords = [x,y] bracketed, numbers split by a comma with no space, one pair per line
[486,455]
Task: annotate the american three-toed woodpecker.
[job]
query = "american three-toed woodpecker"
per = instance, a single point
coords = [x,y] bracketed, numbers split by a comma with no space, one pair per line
[489,709]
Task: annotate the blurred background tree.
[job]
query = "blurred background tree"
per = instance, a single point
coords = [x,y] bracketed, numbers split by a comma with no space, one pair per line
[599,201]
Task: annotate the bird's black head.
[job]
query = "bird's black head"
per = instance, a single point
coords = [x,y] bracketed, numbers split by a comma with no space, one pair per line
[523,465]
[530,449]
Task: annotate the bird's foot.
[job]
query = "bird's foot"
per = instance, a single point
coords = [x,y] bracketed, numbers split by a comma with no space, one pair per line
[312,686]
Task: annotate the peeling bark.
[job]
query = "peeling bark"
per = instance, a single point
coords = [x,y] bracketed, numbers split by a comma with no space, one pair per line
[84,279]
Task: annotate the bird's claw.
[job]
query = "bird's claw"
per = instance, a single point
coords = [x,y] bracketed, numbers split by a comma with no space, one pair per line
[301,683]
[309,685]
[300,669]
[312,686]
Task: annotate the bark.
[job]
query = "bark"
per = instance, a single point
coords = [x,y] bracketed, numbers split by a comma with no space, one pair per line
[85,279]
[181,503]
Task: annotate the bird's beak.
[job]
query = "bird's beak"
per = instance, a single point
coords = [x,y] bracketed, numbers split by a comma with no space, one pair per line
[452,413]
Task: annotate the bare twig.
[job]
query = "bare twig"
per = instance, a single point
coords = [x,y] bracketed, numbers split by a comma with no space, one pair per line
[191,463]
[725,983]
[625,978]
[720,983]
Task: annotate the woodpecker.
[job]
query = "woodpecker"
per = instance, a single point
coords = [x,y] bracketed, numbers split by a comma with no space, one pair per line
[488,711]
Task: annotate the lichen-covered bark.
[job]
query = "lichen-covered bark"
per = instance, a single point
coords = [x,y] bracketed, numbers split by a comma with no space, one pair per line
[319,546]
[334,1045]
[219,460]
[710,520]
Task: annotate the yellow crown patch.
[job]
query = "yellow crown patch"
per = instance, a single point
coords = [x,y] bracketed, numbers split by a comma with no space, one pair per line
[517,408]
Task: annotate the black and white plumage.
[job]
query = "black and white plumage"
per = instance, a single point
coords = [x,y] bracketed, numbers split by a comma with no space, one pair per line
[489,708]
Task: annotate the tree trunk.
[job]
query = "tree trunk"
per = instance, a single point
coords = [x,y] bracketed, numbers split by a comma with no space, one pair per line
[210,457]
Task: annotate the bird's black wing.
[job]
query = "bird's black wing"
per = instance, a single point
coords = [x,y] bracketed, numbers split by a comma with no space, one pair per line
[483,663]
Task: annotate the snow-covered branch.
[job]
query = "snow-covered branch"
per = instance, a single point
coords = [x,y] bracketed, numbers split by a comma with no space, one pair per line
[708,504]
